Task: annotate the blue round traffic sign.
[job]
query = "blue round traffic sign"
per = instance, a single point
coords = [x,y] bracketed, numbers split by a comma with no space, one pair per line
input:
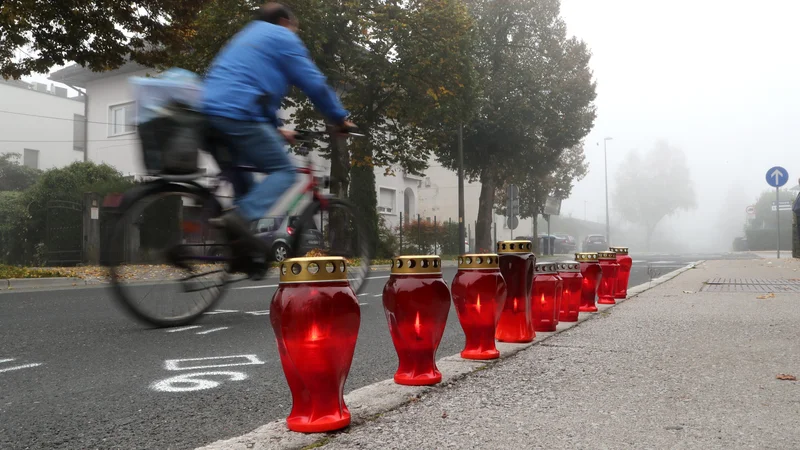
[777,176]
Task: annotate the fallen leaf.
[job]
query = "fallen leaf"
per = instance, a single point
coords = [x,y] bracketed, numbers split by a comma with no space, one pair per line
[762,297]
[786,376]
[688,292]
[444,415]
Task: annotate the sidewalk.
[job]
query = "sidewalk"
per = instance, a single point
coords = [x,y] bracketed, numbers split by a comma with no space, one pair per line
[671,368]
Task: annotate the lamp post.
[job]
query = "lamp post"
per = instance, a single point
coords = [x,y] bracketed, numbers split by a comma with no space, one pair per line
[605,158]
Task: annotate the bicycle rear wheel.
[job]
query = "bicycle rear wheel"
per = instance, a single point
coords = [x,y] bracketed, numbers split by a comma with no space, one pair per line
[336,230]
[168,265]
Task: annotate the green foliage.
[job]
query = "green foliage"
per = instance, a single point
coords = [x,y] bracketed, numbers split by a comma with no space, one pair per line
[765,216]
[536,97]
[652,186]
[27,227]
[12,216]
[13,175]
[426,237]
[388,241]
[7,271]
[98,35]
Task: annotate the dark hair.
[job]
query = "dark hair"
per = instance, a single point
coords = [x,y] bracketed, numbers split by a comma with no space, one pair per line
[274,12]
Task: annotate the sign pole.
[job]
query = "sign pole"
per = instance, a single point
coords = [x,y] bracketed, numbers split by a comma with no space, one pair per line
[778,218]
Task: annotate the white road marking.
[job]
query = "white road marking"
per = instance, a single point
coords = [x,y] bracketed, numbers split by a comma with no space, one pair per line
[364,294]
[194,382]
[258,313]
[265,286]
[378,295]
[362,304]
[212,330]
[24,366]
[190,327]
[221,311]
[6,360]
[249,360]
[638,261]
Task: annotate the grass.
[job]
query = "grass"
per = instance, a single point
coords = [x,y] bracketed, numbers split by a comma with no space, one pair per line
[29,272]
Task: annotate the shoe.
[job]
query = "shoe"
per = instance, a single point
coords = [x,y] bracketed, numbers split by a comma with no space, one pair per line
[238,229]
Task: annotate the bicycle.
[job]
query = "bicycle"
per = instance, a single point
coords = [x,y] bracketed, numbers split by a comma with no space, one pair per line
[203,260]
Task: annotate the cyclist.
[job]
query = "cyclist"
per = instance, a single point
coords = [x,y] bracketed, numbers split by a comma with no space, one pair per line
[243,91]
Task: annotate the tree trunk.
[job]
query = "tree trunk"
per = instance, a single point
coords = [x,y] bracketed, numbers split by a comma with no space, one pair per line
[483,227]
[340,168]
[535,238]
[363,191]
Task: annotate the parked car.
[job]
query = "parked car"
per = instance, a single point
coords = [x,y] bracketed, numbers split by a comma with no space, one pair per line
[564,243]
[595,243]
[276,232]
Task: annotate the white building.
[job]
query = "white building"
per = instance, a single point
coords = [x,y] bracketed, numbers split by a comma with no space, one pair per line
[438,198]
[112,137]
[41,123]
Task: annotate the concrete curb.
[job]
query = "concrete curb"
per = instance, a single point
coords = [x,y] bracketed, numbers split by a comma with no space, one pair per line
[369,402]
[34,283]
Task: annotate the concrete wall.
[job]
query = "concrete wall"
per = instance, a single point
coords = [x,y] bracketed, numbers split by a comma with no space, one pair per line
[38,121]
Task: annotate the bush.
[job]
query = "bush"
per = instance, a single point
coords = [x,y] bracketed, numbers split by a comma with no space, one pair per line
[24,228]
[425,237]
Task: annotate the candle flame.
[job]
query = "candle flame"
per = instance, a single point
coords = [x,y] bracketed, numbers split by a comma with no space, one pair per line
[515,304]
[314,334]
[417,325]
[543,300]
[478,304]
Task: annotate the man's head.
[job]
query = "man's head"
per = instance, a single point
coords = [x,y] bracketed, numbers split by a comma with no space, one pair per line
[278,14]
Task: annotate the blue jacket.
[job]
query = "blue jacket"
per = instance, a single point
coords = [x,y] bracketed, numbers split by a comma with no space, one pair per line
[250,76]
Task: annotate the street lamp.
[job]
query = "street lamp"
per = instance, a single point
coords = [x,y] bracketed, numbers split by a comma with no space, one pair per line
[605,157]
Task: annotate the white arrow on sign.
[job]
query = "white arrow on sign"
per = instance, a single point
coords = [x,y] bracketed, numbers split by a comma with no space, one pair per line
[776,174]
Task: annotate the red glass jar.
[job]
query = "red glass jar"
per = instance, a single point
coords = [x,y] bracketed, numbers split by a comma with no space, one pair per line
[608,283]
[570,272]
[516,266]
[544,301]
[625,262]
[592,274]
[479,293]
[416,301]
[315,317]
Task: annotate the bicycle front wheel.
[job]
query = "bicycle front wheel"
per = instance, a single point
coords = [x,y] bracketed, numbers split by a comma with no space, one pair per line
[168,265]
[335,230]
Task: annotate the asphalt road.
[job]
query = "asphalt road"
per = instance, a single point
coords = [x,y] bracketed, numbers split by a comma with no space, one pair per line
[75,372]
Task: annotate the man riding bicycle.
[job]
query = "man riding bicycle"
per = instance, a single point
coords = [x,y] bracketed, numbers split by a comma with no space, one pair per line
[243,91]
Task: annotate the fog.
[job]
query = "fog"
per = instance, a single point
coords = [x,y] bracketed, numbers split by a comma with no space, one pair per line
[717,79]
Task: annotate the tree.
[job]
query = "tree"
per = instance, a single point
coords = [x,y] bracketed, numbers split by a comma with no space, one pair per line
[765,215]
[98,35]
[653,186]
[13,175]
[536,100]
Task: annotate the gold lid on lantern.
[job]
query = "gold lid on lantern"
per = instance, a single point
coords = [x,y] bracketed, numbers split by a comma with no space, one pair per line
[546,268]
[587,257]
[569,266]
[607,255]
[478,261]
[619,250]
[313,269]
[416,265]
[506,247]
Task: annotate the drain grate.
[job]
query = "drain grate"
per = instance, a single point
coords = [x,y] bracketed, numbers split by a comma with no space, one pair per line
[751,285]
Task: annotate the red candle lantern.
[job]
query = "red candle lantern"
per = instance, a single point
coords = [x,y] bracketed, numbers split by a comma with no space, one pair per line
[416,301]
[544,301]
[315,317]
[592,274]
[625,262]
[608,283]
[516,266]
[479,293]
[570,272]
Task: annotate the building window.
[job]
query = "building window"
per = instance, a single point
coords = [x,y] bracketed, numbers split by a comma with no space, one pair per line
[78,132]
[387,201]
[121,119]
[31,158]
